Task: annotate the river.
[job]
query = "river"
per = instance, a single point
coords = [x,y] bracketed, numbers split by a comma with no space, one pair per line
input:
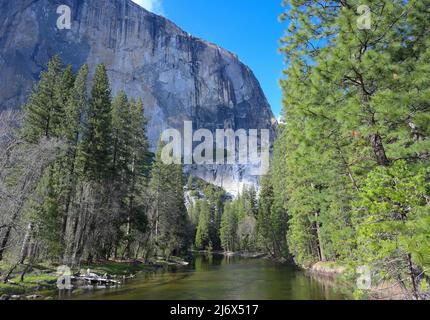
[215,277]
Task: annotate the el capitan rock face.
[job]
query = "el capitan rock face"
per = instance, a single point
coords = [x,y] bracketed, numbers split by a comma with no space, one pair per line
[179,77]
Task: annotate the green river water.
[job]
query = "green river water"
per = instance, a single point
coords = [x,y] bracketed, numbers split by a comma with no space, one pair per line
[215,277]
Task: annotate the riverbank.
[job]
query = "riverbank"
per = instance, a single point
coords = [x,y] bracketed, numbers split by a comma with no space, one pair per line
[334,274]
[41,281]
[328,269]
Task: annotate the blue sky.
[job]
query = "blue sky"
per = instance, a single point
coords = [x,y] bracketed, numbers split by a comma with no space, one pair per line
[249,28]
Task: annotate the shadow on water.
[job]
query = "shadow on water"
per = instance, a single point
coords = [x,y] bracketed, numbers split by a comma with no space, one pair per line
[220,278]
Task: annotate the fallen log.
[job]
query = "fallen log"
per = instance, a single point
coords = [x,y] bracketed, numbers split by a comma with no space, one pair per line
[94,279]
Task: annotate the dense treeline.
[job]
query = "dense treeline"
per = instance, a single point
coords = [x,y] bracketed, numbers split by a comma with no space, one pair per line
[351,165]
[78,181]
[206,209]
[239,222]
[249,224]
[246,223]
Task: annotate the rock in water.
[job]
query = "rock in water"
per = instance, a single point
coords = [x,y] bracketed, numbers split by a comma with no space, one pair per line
[4,297]
[178,76]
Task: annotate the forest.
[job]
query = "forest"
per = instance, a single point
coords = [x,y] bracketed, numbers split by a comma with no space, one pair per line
[78,180]
[349,182]
[351,163]
[350,176]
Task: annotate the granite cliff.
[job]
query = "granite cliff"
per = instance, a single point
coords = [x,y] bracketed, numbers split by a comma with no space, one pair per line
[178,76]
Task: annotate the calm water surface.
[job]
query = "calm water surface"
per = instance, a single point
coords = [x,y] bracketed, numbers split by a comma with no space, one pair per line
[221,278]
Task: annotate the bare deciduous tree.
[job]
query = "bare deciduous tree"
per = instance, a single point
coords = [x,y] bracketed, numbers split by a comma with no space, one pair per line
[21,166]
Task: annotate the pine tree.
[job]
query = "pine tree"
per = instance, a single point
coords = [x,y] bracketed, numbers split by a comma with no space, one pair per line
[203,239]
[63,91]
[181,227]
[95,148]
[121,138]
[229,225]
[354,105]
[44,112]
[249,201]
[392,219]
[215,198]
[194,214]
[45,213]
[76,107]
[141,156]
[138,171]
[264,227]
[170,224]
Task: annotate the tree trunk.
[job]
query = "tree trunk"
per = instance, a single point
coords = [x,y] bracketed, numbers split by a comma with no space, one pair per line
[128,234]
[348,168]
[320,246]
[379,150]
[415,292]
[137,251]
[31,257]
[6,236]
[25,244]
[8,274]
[4,241]
[23,254]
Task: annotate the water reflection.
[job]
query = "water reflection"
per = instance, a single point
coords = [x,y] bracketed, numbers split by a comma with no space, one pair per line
[221,278]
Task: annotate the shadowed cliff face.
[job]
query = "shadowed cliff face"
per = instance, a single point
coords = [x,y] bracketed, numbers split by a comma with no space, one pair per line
[178,76]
